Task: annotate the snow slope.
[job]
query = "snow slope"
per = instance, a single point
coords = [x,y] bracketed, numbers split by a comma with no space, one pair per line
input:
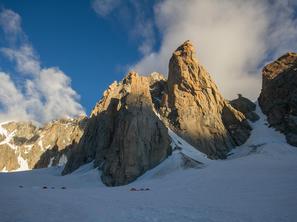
[257,183]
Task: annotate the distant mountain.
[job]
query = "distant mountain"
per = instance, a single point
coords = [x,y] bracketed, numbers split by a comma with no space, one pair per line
[24,146]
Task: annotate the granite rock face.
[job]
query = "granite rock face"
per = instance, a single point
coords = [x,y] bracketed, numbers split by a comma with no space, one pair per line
[196,110]
[245,106]
[278,98]
[24,146]
[124,136]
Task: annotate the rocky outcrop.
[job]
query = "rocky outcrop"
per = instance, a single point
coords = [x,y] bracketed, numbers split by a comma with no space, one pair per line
[196,110]
[245,106]
[24,146]
[278,98]
[124,136]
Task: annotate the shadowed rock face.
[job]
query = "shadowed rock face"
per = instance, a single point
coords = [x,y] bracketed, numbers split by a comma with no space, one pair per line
[245,106]
[278,98]
[124,136]
[196,110]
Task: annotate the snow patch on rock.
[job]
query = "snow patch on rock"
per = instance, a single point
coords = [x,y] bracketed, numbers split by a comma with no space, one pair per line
[51,161]
[186,148]
[3,131]
[63,160]
[23,164]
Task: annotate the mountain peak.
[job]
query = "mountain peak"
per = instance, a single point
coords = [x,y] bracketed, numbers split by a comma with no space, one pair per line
[196,109]
[186,51]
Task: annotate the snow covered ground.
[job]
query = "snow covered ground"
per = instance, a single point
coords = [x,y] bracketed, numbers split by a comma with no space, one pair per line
[257,183]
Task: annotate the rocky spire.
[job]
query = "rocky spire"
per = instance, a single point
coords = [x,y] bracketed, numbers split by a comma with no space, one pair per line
[195,108]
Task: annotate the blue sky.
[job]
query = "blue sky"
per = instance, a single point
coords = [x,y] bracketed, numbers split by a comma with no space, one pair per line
[92,50]
[95,42]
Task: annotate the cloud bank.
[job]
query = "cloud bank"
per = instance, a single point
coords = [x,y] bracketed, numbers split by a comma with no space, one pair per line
[44,94]
[233,39]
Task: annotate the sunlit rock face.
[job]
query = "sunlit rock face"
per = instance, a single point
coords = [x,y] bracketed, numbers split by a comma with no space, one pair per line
[196,110]
[24,146]
[278,98]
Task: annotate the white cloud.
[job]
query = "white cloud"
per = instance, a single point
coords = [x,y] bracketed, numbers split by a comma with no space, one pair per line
[60,98]
[144,28]
[104,7]
[11,100]
[45,94]
[232,38]
[10,22]
[25,59]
